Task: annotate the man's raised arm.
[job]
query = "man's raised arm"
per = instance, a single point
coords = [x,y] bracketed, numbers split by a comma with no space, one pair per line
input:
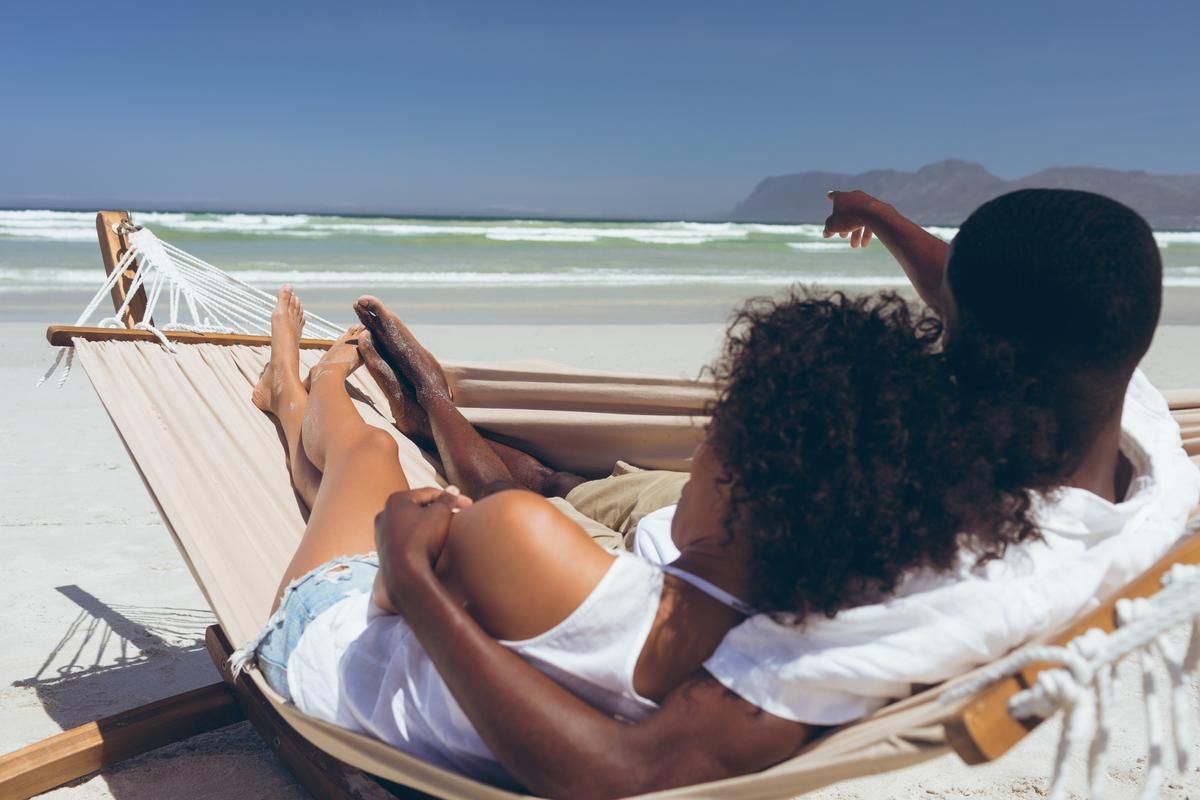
[922,255]
[548,739]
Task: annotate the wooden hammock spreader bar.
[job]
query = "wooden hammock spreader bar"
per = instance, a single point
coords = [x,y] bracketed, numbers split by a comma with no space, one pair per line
[61,336]
[80,751]
[113,246]
[984,731]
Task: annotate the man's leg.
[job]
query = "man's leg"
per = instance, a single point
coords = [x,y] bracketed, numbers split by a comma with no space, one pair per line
[524,470]
[533,474]
[466,458]
[420,401]
[609,509]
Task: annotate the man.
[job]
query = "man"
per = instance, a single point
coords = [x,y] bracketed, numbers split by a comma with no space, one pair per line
[1068,284]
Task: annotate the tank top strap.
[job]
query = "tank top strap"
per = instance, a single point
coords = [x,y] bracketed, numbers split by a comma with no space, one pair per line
[712,590]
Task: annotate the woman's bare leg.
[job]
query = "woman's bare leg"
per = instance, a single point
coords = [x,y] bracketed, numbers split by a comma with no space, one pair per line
[359,464]
[280,392]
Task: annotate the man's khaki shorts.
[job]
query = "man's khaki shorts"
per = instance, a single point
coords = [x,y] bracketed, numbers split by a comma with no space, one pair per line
[609,509]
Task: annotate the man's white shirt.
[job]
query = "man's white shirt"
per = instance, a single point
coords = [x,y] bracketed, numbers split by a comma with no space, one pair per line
[936,626]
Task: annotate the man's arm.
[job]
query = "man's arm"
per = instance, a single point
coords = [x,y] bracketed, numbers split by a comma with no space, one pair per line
[548,739]
[922,255]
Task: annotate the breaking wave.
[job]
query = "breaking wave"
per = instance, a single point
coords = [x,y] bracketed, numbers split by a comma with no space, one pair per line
[79,226]
[14,280]
[73,226]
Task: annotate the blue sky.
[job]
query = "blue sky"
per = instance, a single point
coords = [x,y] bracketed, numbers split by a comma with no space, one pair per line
[602,108]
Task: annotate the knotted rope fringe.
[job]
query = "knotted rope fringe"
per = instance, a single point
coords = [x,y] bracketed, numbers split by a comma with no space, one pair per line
[1084,687]
[214,300]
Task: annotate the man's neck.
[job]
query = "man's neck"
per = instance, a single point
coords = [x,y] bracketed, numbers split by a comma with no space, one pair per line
[1104,471]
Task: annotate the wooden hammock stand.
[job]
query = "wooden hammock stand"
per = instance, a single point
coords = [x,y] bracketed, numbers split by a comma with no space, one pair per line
[982,732]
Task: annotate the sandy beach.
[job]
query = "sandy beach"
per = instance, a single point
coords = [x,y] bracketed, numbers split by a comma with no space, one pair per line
[100,614]
[601,186]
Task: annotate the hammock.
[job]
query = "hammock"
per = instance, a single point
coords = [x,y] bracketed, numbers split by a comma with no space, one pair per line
[184,416]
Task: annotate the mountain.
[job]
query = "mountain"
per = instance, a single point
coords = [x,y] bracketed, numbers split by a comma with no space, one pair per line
[946,192]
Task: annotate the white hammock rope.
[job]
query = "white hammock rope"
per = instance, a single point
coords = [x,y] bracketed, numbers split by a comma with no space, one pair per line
[1084,687]
[213,301]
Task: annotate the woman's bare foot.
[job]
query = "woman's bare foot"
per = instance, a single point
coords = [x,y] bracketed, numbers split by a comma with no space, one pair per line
[411,419]
[280,381]
[341,358]
[395,342]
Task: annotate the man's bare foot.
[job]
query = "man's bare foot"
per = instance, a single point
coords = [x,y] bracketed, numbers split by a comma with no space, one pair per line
[341,358]
[411,419]
[396,343]
[280,381]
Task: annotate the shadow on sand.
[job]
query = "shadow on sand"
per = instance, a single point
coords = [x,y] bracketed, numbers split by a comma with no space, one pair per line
[112,658]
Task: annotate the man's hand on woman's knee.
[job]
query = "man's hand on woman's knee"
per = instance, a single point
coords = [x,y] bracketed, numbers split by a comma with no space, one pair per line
[412,527]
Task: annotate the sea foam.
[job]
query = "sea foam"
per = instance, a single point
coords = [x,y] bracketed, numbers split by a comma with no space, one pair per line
[79,226]
[50,279]
[72,226]
[14,280]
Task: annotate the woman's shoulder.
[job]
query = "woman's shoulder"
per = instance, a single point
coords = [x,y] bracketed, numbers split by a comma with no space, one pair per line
[521,565]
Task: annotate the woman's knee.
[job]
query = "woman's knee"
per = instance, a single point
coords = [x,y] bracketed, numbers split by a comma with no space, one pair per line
[512,519]
[368,444]
[376,441]
[521,564]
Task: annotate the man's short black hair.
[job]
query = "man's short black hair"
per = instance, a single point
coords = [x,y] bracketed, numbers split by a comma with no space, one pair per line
[1071,280]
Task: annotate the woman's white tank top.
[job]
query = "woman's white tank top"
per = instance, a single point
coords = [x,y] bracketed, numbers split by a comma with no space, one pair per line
[365,670]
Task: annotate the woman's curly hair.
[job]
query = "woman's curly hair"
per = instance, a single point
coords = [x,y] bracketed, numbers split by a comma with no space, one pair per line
[854,455]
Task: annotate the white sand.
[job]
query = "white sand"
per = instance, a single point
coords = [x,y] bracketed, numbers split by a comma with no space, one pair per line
[99,613]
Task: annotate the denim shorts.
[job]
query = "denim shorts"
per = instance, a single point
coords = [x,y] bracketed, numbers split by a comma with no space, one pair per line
[303,601]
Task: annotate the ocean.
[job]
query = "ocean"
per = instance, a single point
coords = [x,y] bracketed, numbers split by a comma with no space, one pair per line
[472,270]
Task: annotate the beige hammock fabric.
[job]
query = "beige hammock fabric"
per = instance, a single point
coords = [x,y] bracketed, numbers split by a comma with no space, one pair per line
[215,467]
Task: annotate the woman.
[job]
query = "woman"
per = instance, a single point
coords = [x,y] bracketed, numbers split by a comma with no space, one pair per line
[839,458]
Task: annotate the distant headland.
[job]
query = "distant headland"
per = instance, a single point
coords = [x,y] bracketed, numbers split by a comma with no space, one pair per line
[946,192]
